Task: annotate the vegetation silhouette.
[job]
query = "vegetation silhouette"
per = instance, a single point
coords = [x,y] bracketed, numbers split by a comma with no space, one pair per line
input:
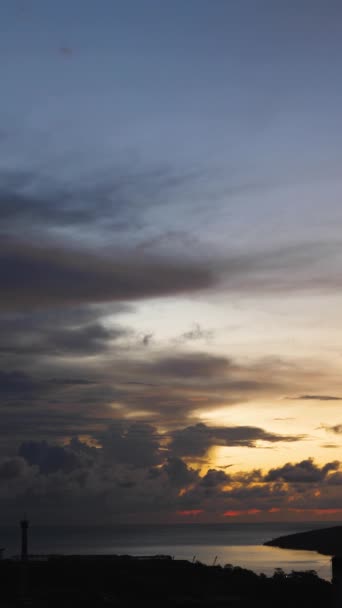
[125,581]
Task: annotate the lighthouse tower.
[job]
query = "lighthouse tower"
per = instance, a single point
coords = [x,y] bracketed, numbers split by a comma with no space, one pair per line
[24,524]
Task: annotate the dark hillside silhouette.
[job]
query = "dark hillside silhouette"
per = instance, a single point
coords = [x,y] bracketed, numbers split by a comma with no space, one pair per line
[97,581]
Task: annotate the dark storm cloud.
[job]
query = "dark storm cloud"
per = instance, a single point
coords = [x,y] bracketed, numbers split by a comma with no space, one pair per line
[58,392]
[178,472]
[49,458]
[18,387]
[251,492]
[42,320]
[214,478]
[84,340]
[49,423]
[311,487]
[133,445]
[175,388]
[136,444]
[32,340]
[202,376]
[35,276]
[31,203]
[111,484]
[196,440]
[335,479]
[303,472]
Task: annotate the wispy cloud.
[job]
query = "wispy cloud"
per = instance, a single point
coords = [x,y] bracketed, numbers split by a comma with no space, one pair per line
[317,398]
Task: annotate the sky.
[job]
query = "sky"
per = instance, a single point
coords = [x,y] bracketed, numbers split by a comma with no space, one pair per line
[170,260]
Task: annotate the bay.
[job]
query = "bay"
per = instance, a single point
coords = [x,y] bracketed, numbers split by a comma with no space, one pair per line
[220,544]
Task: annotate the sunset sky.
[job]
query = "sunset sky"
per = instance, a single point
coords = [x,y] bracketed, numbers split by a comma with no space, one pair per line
[170,260]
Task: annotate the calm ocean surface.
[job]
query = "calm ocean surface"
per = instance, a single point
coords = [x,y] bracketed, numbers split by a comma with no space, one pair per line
[237,544]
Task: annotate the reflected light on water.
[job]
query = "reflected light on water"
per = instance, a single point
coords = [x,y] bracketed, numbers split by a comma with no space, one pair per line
[253,557]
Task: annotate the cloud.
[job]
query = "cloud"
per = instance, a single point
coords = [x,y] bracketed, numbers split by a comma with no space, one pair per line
[170,240]
[117,482]
[196,440]
[297,268]
[178,472]
[11,468]
[318,398]
[335,479]
[35,336]
[114,199]
[196,333]
[49,458]
[136,444]
[77,377]
[335,428]
[191,365]
[16,384]
[83,340]
[32,205]
[146,340]
[302,472]
[53,420]
[35,276]
[88,339]
[214,478]
[18,387]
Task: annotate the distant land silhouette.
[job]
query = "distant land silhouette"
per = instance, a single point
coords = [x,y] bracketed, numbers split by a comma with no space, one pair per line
[327,541]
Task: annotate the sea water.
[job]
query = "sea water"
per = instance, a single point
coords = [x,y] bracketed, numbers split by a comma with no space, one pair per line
[220,544]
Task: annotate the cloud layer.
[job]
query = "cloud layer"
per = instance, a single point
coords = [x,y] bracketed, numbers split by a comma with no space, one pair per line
[105,482]
[112,420]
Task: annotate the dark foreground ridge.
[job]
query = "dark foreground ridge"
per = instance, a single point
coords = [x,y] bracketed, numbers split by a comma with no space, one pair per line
[124,581]
[327,541]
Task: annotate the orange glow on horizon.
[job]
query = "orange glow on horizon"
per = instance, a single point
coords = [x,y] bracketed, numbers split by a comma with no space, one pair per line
[190,512]
[317,511]
[309,512]
[242,512]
